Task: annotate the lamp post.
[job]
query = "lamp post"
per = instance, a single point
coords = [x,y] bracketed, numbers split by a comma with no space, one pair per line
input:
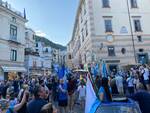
[133,44]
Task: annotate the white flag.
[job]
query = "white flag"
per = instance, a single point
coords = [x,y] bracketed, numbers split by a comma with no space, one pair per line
[90,97]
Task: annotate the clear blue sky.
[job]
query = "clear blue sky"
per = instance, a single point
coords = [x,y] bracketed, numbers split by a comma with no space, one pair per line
[55,18]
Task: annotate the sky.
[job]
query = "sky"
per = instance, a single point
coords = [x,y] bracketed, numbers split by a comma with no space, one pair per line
[53,19]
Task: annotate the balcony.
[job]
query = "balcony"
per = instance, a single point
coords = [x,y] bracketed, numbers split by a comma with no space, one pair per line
[30,51]
[13,39]
[109,30]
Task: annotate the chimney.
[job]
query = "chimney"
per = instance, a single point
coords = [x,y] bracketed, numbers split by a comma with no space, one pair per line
[25,14]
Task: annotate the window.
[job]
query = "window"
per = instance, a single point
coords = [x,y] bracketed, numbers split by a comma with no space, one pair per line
[111,51]
[13,19]
[26,34]
[13,32]
[13,55]
[137,26]
[108,26]
[81,17]
[141,50]
[82,35]
[37,50]
[123,50]
[46,50]
[36,44]
[86,29]
[33,37]
[105,3]
[133,3]
[42,63]
[85,57]
[34,64]
[139,38]
[69,56]
[84,8]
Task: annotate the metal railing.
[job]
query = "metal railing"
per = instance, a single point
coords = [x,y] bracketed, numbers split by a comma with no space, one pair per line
[13,38]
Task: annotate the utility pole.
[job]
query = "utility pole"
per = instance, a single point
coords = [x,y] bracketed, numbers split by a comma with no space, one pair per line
[133,44]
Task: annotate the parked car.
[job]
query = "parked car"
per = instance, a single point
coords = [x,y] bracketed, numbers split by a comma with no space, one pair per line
[119,106]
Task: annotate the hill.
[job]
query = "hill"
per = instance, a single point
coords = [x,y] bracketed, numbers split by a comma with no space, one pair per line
[49,43]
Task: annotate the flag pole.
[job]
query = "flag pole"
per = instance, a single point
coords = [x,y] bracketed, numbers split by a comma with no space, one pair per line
[93,84]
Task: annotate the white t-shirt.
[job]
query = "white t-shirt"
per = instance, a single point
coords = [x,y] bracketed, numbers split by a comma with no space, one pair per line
[82,91]
[146,74]
[119,81]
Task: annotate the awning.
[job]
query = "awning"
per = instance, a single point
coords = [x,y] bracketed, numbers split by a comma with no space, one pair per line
[13,69]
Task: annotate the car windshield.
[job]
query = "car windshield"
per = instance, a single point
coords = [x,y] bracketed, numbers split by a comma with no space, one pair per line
[117,109]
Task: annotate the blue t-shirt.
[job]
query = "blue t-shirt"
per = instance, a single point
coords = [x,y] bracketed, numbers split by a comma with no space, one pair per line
[10,109]
[102,90]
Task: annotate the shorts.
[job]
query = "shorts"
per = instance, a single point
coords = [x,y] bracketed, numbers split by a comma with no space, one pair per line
[63,103]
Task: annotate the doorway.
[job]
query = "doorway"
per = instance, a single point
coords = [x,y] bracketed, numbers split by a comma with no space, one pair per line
[113,68]
[143,58]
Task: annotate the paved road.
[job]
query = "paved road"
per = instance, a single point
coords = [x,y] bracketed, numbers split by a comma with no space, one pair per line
[77,109]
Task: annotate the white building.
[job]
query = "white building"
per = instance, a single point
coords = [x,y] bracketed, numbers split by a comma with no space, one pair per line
[12,41]
[34,65]
[63,57]
[47,57]
[33,61]
[29,36]
[116,31]
[45,53]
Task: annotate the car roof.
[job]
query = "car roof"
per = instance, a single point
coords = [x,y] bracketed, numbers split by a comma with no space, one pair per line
[128,102]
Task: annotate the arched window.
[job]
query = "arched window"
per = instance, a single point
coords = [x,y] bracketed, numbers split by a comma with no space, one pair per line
[123,50]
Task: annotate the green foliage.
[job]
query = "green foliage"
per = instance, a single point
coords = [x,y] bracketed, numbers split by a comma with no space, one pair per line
[49,43]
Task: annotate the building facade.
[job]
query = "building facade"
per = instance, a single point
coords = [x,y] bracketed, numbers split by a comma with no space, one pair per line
[63,57]
[29,39]
[116,31]
[12,41]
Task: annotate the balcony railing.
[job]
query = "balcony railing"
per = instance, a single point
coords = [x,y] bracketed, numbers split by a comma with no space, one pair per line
[13,38]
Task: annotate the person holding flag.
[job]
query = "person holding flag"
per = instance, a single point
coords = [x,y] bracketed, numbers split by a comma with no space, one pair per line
[105,94]
[94,97]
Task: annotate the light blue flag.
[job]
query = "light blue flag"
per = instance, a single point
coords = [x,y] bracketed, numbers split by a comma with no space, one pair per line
[92,101]
[104,70]
[95,105]
[95,70]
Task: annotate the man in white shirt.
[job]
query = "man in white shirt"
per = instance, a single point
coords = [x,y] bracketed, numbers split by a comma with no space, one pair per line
[119,84]
[146,78]
[130,82]
[82,92]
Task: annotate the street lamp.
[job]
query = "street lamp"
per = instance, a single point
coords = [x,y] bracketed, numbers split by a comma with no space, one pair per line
[133,44]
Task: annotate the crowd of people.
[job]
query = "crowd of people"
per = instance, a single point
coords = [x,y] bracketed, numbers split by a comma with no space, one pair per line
[135,84]
[42,94]
[49,94]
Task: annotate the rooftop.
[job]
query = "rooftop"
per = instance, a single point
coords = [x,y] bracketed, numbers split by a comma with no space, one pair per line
[8,7]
